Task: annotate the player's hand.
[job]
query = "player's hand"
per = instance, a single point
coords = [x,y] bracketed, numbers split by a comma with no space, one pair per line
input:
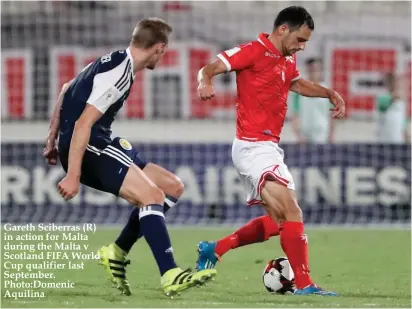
[69,187]
[339,109]
[205,92]
[50,151]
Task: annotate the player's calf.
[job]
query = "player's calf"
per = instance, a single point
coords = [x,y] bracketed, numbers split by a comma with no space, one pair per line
[132,231]
[166,181]
[137,188]
[257,230]
[280,199]
[294,241]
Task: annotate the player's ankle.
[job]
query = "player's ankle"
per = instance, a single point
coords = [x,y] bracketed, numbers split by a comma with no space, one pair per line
[119,249]
[302,281]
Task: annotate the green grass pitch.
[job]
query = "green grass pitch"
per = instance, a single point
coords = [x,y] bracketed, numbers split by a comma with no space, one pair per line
[369,268]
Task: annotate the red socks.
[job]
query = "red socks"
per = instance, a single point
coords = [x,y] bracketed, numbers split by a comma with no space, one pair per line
[292,239]
[256,230]
[295,245]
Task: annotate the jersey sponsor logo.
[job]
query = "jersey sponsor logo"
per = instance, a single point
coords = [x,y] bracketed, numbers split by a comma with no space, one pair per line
[125,144]
[267,54]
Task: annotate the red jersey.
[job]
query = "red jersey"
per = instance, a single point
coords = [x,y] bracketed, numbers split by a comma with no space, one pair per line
[263,78]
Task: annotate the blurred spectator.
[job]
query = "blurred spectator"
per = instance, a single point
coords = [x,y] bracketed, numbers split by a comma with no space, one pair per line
[311,118]
[408,131]
[391,108]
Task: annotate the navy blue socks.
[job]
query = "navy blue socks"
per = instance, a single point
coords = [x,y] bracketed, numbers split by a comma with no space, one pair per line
[153,228]
[131,232]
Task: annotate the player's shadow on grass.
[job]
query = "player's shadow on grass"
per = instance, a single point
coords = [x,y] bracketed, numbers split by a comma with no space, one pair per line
[278,300]
[71,293]
[375,295]
[114,297]
[84,284]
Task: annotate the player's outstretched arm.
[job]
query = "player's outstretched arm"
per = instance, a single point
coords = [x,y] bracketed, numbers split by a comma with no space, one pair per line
[50,150]
[310,89]
[205,89]
[234,59]
[70,185]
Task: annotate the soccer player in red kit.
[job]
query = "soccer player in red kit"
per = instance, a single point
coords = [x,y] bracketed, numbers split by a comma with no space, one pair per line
[265,73]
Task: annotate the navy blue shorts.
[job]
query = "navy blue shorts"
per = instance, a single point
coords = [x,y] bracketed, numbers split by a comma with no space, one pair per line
[105,165]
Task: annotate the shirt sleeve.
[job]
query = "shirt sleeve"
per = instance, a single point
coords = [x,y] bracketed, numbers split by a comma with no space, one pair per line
[237,58]
[109,87]
[103,95]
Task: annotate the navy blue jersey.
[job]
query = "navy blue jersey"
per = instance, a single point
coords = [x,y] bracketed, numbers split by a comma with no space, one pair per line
[105,84]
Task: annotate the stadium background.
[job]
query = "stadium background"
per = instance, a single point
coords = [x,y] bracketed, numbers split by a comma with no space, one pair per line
[356,179]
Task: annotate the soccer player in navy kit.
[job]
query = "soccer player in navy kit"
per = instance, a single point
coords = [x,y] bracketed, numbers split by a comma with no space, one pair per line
[81,122]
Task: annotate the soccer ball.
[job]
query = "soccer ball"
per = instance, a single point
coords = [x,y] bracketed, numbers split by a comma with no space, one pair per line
[278,277]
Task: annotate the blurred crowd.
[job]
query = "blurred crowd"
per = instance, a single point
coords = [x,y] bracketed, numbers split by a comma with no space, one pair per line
[312,121]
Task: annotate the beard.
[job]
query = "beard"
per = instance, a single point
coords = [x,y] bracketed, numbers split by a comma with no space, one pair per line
[150,66]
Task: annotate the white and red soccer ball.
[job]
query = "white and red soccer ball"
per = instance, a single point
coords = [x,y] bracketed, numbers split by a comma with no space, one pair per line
[278,276]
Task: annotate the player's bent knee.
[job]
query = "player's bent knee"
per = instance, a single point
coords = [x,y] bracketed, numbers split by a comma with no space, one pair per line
[139,190]
[153,196]
[174,187]
[178,188]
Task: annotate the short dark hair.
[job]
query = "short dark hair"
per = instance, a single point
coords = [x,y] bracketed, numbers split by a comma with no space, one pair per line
[312,60]
[294,17]
[151,31]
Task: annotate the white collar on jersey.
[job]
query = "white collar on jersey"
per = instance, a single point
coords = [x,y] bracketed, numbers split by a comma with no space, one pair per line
[129,54]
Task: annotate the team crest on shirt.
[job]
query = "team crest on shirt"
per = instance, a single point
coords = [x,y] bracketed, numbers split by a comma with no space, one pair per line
[289,59]
[125,144]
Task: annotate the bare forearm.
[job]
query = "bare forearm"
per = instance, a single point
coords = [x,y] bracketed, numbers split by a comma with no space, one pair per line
[309,89]
[80,139]
[205,75]
[205,89]
[55,119]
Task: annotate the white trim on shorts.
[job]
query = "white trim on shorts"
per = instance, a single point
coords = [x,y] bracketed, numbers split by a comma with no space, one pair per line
[280,180]
[111,152]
